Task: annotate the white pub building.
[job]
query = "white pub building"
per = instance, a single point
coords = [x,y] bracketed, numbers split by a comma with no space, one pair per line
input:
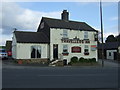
[56,39]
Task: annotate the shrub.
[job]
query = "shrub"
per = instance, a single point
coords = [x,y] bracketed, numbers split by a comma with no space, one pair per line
[81,59]
[93,59]
[15,61]
[70,63]
[74,59]
[89,60]
[86,60]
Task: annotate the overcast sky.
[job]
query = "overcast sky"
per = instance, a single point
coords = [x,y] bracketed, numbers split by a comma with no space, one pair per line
[26,16]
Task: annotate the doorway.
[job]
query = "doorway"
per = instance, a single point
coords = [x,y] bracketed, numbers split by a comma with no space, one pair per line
[115,55]
[55,51]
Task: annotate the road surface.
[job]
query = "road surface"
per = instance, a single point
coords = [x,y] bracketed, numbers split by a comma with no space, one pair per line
[59,77]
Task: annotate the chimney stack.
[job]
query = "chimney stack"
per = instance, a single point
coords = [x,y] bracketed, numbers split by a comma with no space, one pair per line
[65,15]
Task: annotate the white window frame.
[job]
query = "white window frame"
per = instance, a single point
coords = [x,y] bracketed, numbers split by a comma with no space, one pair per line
[86,35]
[65,47]
[65,33]
[86,47]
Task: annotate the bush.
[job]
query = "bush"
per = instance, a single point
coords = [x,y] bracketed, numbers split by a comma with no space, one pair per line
[89,60]
[81,59]
[74,59]
[69,63]
[93,59]
[86,60]
[15,61]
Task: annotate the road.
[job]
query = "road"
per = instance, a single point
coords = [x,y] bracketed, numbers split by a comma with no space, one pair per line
[59,77]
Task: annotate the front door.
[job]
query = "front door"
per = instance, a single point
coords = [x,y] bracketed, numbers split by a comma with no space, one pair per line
[115,55]
[55,51]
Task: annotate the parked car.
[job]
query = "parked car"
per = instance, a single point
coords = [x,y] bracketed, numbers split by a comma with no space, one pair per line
[3,54]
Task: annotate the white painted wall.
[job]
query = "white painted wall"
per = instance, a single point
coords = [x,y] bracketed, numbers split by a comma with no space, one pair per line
[56,36]
[14,52]
[24,50]
[112,54]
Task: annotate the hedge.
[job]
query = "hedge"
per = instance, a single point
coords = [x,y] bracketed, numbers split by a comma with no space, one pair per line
[82,60]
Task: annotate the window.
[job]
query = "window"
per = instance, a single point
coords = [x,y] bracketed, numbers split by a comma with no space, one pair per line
[86,50]
[96,37]
[35,51]
[85,35]
[65,48]
[65,33]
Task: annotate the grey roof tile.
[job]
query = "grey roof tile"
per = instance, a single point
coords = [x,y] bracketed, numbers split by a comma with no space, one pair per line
[109,45]
[31,37]
[75,25]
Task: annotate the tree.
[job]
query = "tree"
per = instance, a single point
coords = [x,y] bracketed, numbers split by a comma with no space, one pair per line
[118,38]
[110,38]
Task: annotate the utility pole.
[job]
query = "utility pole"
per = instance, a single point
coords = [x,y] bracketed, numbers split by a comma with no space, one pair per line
[102,33]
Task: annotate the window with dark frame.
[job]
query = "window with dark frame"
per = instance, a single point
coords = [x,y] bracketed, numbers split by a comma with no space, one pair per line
[35,51]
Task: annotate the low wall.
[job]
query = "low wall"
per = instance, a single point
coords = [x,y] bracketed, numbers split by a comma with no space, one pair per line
[33,61]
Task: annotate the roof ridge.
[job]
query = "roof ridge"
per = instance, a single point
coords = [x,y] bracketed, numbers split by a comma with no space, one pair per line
[62,20]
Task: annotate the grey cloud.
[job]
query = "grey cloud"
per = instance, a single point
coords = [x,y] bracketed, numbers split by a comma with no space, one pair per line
[14,16]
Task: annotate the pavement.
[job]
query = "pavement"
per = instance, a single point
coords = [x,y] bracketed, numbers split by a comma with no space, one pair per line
[109,63]
[11,64]
[16,76]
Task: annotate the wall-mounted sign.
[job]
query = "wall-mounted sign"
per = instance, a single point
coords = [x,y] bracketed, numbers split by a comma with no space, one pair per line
[76,49]
[74,40]
[93,47]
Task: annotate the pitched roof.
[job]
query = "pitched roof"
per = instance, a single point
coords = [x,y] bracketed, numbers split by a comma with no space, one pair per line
[75,25]
[109,45]
[31,37]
